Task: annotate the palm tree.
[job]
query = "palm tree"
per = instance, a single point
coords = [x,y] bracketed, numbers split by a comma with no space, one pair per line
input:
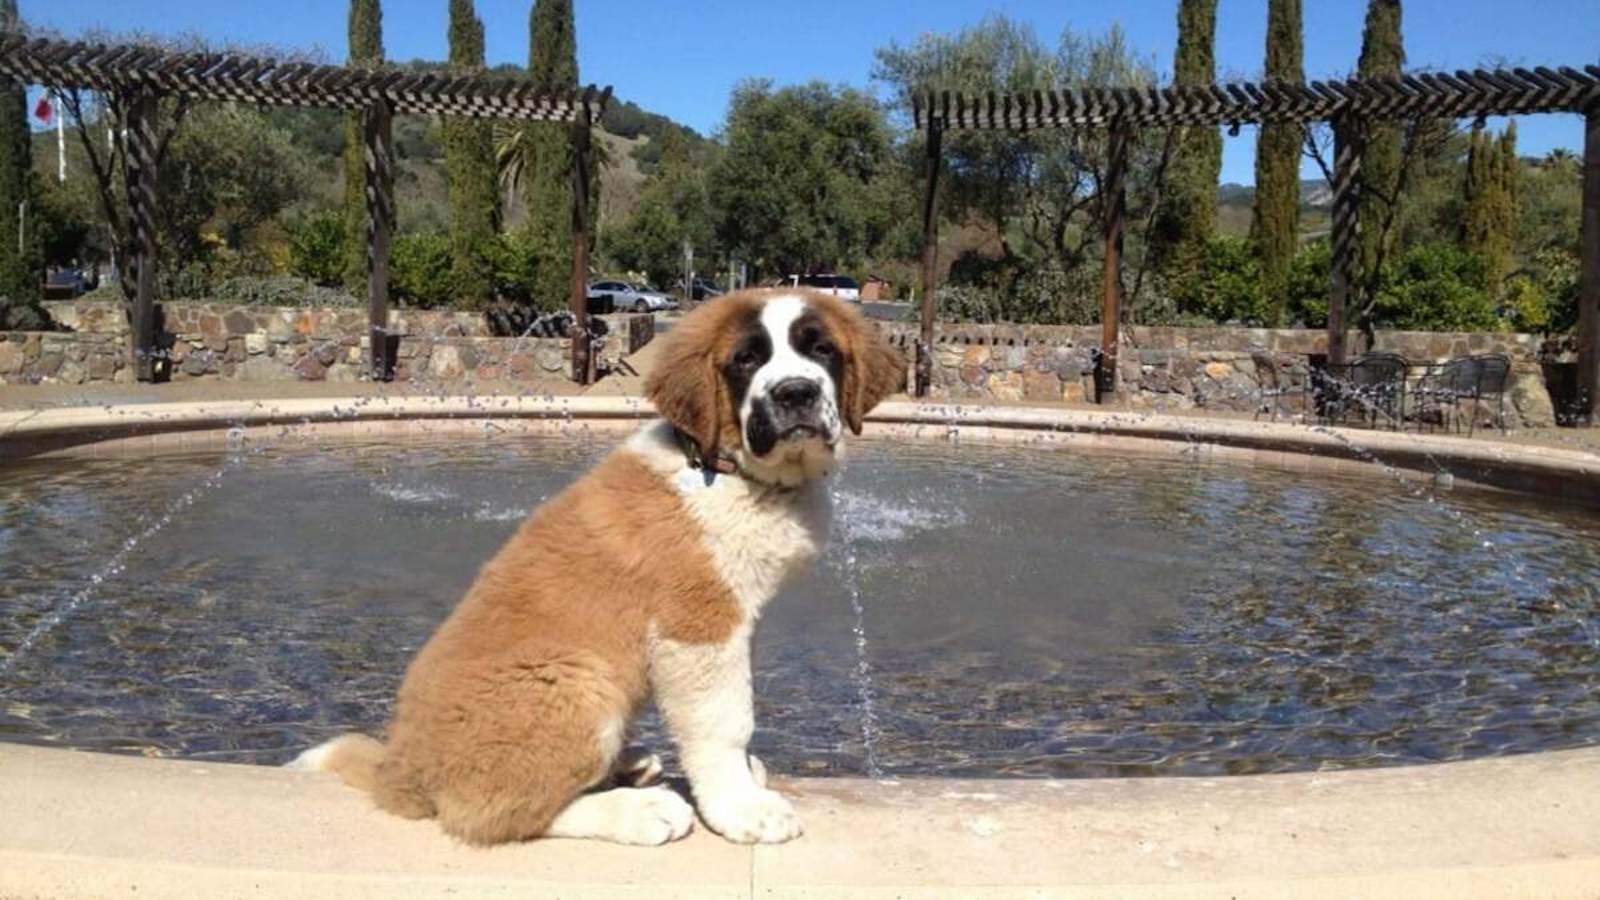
[514,147]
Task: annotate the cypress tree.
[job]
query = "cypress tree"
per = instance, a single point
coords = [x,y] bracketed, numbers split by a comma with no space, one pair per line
[552,66]
[470,169]
[20,267]
[1276,227]
[1489,218]
[1383,55]
[366,49]
[1183,227]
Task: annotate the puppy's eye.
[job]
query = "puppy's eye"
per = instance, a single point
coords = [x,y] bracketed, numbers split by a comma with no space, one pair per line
[823,350]
[745,359]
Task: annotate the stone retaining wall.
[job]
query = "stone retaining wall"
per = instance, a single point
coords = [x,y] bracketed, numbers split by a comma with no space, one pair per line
[252,343]
[1182,368]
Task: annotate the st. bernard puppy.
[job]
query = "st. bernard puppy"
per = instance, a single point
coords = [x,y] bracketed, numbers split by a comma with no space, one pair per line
[644,578]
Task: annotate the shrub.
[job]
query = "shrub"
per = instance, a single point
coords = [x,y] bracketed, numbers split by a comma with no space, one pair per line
[1230,289]
[281,290]
[1309,275]
[316,248]
[1526,306]
[1436,287]
[419,269]
[515,263]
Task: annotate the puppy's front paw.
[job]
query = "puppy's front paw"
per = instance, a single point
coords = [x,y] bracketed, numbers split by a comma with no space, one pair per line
[758,816]
[652,816]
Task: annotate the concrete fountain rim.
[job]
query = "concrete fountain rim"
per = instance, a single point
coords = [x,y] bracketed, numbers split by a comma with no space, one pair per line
[135,429]
[88,825]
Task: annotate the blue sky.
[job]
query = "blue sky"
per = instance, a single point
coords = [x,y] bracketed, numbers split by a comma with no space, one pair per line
[681,57]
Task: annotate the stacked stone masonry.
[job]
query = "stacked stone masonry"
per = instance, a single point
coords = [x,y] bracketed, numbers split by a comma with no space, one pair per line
[253,343]
[1164,368]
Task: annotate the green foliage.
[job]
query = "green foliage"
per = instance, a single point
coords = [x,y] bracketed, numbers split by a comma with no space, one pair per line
[1308,285]
[1275,228]
[1489,219]
[277,290]
[546,161]
[470,170]
[1383,55]
[792,183]
[1436,287]
[365,27]
[1035,192]
[674,207]
[316,248]
[420,269]
[21,268]
[1556,272]
[1526,306]
[1186,220]
[1012,290]
[1229,289]
[515,262]
[228,172]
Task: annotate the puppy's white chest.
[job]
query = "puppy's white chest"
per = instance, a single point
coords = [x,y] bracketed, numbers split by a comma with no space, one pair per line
[759,537]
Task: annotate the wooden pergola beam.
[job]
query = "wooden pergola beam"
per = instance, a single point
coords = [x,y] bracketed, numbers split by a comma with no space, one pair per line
[1589,284]
[247,79]
[142,75]
[583,363]
[1115,193]
[377,136]
[1501,92]
[930,257]
[1344,272]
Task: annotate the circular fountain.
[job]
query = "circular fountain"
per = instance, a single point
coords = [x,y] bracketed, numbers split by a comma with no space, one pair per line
[1031,598]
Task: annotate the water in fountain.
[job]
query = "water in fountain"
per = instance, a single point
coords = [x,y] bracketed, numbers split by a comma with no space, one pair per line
[239,449]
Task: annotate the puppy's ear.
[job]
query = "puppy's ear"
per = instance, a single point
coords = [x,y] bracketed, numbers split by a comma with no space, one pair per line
[873,371]
[685,385]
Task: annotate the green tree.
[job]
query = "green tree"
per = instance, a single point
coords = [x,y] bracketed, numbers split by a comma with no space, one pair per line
[1489,214]
[470,170]
[674,207]
[1037,194]
[366,50]
[1181,235]
[1383,55]
[793,182]
[20,266]
[1275,228]
[547,166]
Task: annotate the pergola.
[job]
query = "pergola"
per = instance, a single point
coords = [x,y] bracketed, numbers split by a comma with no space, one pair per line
[141,76]
[1349,105]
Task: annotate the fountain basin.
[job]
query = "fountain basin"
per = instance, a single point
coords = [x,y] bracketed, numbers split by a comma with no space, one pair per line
[1534,794]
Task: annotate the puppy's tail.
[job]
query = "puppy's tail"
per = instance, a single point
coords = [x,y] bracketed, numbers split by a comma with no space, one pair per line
[353,757]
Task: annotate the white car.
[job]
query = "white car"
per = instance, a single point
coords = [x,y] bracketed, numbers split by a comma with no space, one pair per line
[842,286]
[627,297]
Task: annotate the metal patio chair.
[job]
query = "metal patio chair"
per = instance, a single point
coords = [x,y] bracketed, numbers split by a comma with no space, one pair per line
[1374,387]
[1471,379]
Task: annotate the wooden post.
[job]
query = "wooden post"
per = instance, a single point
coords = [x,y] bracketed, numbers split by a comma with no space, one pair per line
[1345,271]
[930,251]
[583,364]
[1589,285]
[142,108]
[376,127]
[1115,207]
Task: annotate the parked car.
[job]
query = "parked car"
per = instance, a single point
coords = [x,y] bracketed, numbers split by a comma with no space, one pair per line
[702,289]
[842,286]
[66,284]
[632,298]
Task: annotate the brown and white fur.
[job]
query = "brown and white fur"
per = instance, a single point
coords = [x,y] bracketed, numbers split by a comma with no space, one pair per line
[644,578]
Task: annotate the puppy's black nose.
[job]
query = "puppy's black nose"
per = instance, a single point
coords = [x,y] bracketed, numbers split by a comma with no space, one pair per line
[796,393]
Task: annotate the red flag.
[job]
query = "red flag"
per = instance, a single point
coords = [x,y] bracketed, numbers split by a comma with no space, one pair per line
[44,112]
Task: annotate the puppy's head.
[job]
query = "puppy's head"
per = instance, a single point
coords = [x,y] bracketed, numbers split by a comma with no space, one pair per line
[772,379]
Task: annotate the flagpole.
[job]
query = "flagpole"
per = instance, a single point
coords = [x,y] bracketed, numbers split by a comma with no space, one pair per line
[61,141]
